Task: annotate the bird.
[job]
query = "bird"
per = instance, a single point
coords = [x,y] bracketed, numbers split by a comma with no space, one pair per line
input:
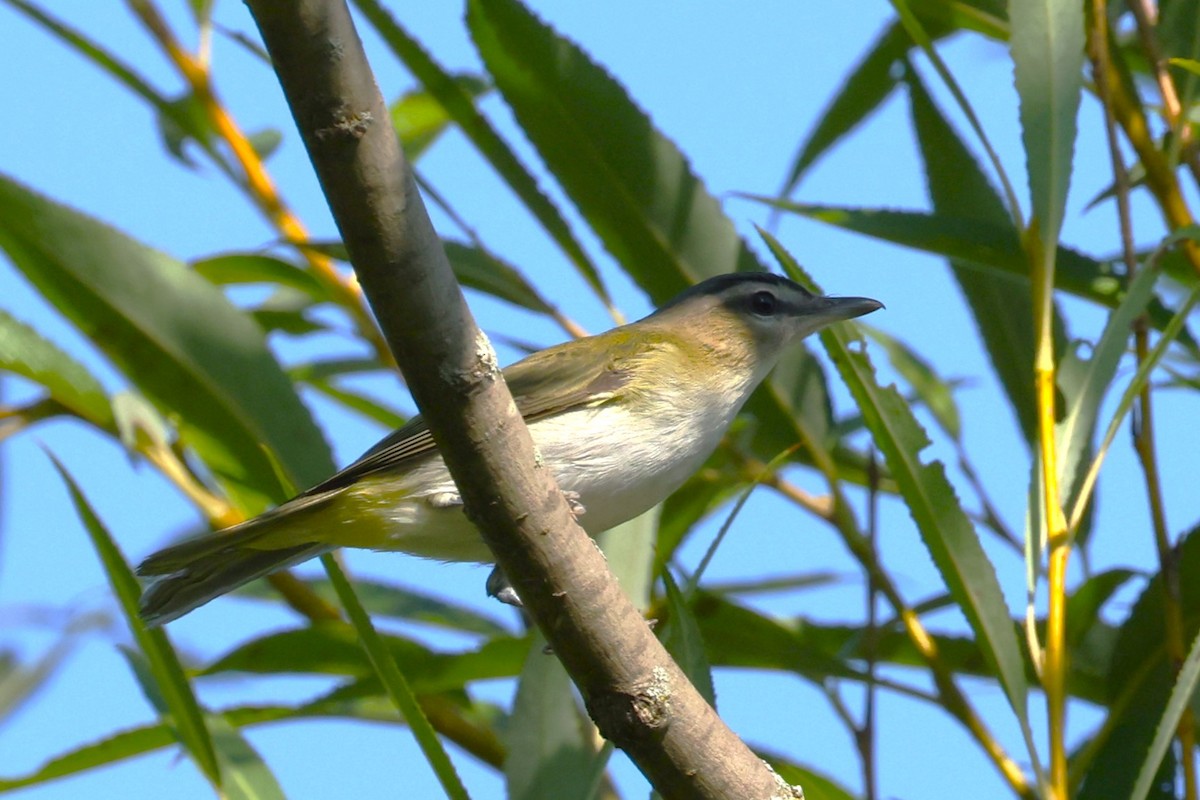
[623,418]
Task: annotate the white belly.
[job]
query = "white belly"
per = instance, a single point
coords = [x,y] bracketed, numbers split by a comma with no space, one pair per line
[595,452]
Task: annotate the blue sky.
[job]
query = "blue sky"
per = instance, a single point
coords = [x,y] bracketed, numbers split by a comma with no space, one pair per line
[735,86]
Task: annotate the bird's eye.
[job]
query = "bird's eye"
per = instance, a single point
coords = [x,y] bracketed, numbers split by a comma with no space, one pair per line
[764,303]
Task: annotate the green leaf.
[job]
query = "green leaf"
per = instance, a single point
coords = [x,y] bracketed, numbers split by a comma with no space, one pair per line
[872,80]
[864,90]
[164,667]
[176,337]
[396,683]
[549,741]
[369,407]
[110,750]
[1138,679]
[629,550]
[24,352]
[397,602]
[630,182]
[479,269]
[265,142]
[333,649]
[460,106]
[1085,382]
[934,392]
[419,118]
[684,642]
[816,785]
[1185,63]
[246,776]
[1047,42]
[178,116]
[1002,308]
[1168,725]
[238,268]
[978,244]
[945,528]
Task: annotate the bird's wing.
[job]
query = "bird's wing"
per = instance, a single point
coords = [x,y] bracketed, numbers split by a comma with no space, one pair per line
[546,383]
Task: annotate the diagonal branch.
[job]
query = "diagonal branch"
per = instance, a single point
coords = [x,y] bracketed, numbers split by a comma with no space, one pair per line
[638,696]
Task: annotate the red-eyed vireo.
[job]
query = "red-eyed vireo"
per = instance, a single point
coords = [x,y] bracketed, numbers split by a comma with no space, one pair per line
[623,418]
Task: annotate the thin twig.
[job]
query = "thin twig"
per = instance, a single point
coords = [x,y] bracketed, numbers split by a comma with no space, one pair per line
[1143,424]
[258,183]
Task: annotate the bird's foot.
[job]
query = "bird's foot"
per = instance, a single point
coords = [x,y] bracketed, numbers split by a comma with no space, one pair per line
[573,503]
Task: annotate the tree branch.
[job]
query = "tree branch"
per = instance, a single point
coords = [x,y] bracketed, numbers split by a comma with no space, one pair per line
[637,695]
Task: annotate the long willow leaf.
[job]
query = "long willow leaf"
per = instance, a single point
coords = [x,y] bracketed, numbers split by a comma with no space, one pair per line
[394,682]
[944,526]
[460,107]
[164,665]
[174,335]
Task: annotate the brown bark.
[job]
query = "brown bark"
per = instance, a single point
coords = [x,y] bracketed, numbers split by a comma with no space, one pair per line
[638,696]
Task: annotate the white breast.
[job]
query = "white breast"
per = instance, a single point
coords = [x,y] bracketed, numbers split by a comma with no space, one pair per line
[619,467]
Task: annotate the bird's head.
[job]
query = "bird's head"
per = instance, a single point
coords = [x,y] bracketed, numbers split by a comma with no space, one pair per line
[753,317]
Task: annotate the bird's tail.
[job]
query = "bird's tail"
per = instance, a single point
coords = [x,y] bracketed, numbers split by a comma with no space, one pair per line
[188,575]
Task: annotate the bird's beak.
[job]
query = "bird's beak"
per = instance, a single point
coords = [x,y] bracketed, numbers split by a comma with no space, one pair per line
[837,309]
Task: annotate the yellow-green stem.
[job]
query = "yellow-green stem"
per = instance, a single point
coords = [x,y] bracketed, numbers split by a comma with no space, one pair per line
[261,188]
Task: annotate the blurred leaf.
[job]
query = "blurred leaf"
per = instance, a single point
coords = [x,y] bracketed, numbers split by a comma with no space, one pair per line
[332,368]
[180,115]
[1139,678]
[736,636]
[460,106]
[1114,766]
[1086,602]
[110,750]
[1001,307]
[784,583]
[1179,37]
[184,120]
[134,742]
[630,182]
[397,602]
[245,774]
[265,142]
[1085,382]
[333,649]
[396,683]
[932,391]
[946,530]
[24,352]
[1186,680]
[138,422]
[176,337]
[237,268]
[369,407]
[550,751]
[629,550]
[816,785]
[479,269]
[20,682]
[1185,63]
[286,310]
[153,645]
[869,83]
[1142,637]
[988,17]
[419,118]
[685,643]
[1047,44]
[700,495]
